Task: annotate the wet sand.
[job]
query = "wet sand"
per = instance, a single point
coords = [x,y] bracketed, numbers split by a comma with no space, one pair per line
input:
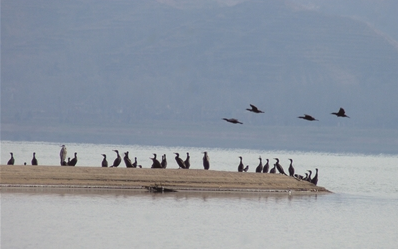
[124,178]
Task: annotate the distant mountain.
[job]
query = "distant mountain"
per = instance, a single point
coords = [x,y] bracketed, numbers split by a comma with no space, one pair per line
[106,63]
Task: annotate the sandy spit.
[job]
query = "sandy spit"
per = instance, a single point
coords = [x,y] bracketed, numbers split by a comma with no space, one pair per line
[126,178]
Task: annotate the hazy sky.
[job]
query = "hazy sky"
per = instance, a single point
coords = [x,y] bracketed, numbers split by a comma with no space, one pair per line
[166,63]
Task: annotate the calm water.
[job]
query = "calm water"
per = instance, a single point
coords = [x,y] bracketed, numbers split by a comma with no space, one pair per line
[362,212]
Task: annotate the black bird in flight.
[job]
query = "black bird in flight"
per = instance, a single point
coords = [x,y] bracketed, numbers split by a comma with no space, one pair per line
[308,117]
[233,120]
[254,109]
[340,113]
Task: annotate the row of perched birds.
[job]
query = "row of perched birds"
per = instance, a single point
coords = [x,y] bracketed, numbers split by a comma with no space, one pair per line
[183,164]
[254,109]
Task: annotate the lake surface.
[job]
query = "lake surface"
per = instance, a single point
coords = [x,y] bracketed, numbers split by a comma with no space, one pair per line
[361,213]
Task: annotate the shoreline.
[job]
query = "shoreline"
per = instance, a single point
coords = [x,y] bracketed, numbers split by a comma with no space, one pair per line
[155,180]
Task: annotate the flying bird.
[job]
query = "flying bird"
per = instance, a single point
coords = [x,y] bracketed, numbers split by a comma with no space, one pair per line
[254,109]
[340,113]
[232,120]
[308,117]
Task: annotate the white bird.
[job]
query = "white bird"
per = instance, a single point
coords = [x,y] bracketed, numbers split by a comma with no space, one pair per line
[62,154]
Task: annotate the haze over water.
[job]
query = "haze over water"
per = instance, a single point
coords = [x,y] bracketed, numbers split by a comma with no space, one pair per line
[361,213]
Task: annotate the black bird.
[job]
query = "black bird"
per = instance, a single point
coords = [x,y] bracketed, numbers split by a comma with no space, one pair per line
[187,162]
[259,168]
[12,160]
[155,162]
[164,161]
[340,113]
[73,161]
[135,162]
[64,163]
[127,160]
[291,169]
[179,161]
[246,168]
[104,161]
[233,120]
[266,167]
[34,160]
[118,159]
[279,167]
[300,177]
[309,176]
[241,166]
[315,179]
[273,170]
[206,161]
[68,163]
[305,178]
[308,117]
[254,109]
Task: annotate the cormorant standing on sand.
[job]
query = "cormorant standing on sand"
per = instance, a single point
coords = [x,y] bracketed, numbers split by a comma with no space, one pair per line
[315,179]
[266,167]
[241,166]
[127,160]
[308,117]
[117,160]
[179,161]
[309,176]
[12,160]
[68,163]
[206,161]
[254,109]
[135,162]
[34,160]
[291,169]
[273,170]
[246,168]
[155,162]
[340,113]
[164,161]
[73,161]
[259,168]
[305,178]
[104,161]
[279,167]
[232,120]
[62,155]
[187,162]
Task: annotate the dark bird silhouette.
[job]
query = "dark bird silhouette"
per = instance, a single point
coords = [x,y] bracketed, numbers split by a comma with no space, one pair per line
[305,178]
[246,168]
[187,162]
[164,161]
[135,162]
[118,159]
[62,155]
[279,167]
[34,160]
[254,109]
[73,161]
[273,170]
[233,120]
[104,161]
[64,163]
[309,176]
[155,163]
[240,166]
[308,117]
[340,113]
[206,161]
[266,167]
[291,169]
[259,168]
[12,160]
[127,160]
[315,179]
[140,166]
[68,163]
[300,177]
[179,161]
